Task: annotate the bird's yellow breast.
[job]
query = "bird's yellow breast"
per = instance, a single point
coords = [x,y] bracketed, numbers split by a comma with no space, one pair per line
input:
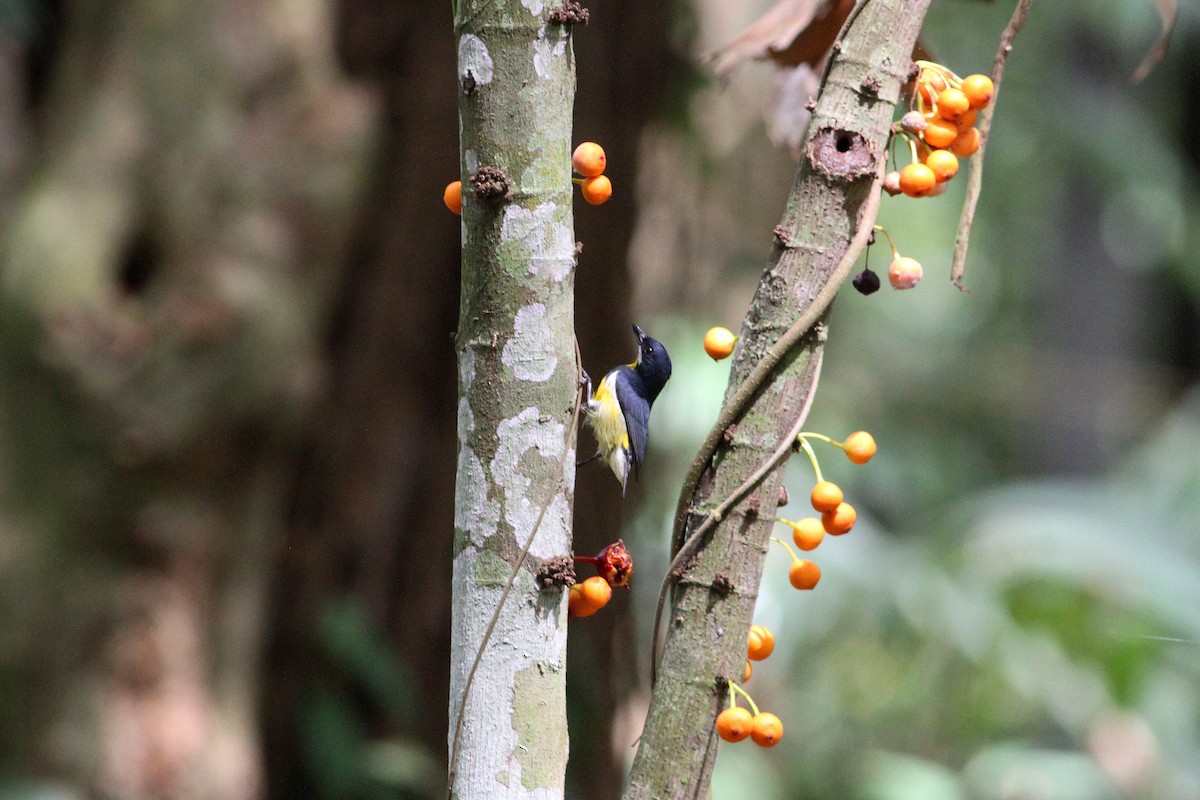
[606,419]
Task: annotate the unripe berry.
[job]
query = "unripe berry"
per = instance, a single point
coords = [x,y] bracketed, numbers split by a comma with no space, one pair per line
[891,183]
[904,273]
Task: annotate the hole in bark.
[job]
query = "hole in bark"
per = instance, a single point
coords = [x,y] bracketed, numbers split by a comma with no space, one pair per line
[839,153]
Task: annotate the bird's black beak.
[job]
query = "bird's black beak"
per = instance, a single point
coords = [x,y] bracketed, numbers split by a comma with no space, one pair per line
[641,334]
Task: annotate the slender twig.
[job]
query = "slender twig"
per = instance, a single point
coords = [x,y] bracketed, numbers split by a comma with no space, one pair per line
[975,178]
[714,517]
[749,387]
[772,358]
[568,440]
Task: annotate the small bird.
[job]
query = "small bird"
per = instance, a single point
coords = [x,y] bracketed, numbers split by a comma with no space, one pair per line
[619,411]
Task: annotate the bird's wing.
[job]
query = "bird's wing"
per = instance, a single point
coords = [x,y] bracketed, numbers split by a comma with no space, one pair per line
[636,411]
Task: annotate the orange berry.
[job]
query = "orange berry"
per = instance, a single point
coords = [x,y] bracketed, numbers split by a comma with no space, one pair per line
[952,104]
[597,591]
[589,160]
[840,520]
[747,672]
[826,495]
[859,447]
[978,89]
[766,729]
[943,163]
[939,132]
[916,180]
[735,724]
[762,643]
[577,604]
[804,574]
[966,143]
[930,84]
[596,190]
[452,197]
[807,533]
[967,120]
[719,342]
[904,273]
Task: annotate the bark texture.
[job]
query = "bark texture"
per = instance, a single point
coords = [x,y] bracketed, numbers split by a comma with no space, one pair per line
[517,386]
[713,599]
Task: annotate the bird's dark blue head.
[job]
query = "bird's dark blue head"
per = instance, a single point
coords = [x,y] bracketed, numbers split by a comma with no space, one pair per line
[653,365]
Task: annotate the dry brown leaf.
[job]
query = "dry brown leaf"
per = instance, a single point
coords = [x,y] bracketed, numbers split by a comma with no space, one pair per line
[791,32]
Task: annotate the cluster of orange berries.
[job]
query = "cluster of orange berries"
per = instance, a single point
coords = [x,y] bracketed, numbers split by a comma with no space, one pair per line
[837,517]
[588,160]
[940,130]
[614,567]
[736,723]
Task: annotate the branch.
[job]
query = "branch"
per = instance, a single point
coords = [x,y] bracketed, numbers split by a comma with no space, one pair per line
[748,389]
[737,473]
[975,178]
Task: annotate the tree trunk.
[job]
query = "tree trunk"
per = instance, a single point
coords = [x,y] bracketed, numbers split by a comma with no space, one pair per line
[714,595]
[517,383]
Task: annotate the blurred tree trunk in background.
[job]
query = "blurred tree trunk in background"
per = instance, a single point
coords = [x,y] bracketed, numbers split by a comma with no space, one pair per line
[169,255]
[373,514]
[228,417]
[373,511]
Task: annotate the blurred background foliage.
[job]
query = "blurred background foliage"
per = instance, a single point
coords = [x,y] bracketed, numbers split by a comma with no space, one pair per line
[1017,613]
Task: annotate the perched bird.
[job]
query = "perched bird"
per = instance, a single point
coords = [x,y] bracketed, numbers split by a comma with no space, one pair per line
[619,411]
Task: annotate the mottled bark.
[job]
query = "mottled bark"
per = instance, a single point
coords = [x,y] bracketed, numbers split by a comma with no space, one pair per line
[517,384]
[707,627]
